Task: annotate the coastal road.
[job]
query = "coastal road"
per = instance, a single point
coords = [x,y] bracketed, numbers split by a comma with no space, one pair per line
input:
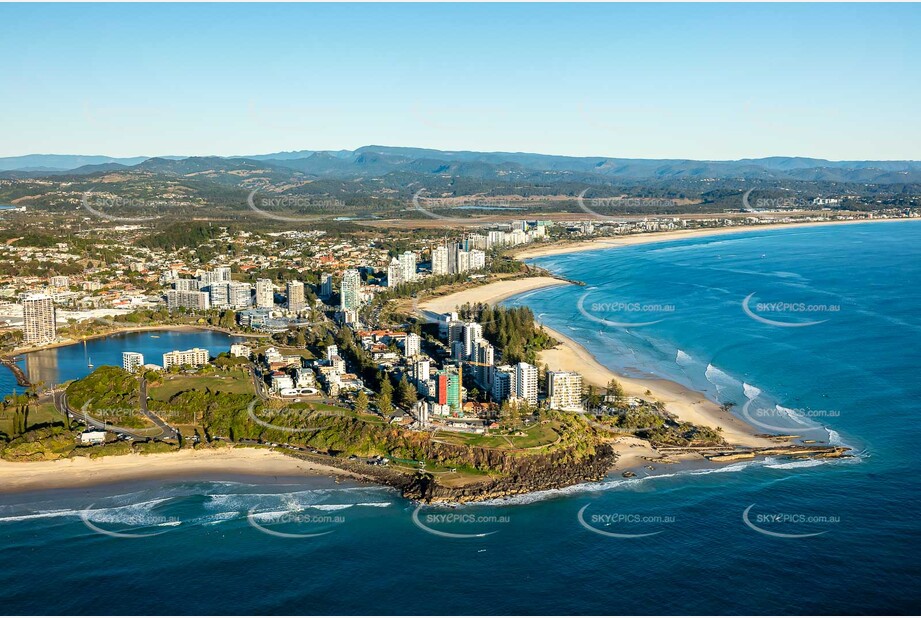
[60,402]
[258,382]
[168,432]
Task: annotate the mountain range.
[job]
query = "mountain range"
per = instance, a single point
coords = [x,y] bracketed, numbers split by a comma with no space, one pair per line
[372,161]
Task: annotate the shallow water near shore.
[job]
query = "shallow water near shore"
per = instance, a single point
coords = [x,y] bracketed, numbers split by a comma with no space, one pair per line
[765,537]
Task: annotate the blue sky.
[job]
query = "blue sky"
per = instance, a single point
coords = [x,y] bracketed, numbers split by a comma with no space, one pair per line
[712,81]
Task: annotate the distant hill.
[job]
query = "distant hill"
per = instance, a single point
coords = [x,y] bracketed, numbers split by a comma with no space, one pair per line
[376,161]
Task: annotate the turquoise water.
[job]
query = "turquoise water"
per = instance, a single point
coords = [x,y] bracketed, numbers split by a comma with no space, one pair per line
[853,378]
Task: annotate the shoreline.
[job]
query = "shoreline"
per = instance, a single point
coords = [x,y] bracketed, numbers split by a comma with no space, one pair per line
[491,293]
[76,472]
[685,403]
[630,240]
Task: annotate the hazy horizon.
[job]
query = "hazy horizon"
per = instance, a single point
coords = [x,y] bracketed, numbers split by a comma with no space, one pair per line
[447,150]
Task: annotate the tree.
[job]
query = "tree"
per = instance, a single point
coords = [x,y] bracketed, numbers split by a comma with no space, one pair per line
[615,390]
[406,394]
[361,403]
[385,398]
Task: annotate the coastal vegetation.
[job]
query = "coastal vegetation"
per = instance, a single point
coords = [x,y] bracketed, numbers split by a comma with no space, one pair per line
[511,329]
[109,393]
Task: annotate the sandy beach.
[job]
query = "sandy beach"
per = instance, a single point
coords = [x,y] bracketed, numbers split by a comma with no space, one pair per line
[642,239]
[82,471]
[683,402]
[686,404]
[491,293]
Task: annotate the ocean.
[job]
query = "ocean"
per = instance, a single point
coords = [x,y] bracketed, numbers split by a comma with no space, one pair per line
[811,330]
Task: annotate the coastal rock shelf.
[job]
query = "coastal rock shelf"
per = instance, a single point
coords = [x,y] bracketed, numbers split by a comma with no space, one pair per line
[820,452]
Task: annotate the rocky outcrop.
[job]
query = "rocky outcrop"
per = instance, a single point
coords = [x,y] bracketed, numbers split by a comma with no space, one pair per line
[520,475]
[534,474]
[822,452]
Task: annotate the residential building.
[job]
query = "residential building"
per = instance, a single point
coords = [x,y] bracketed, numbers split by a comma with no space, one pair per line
[194,357]
[326,285]
[199,301]
[408,265]
[495,238]
[473,332]
[186,285]
[440,261]
[219,294]
[503,383]
[296,299]
[394,273]
[38,319]
[484,355]
[526,382]
[412,345]
[564,390]
[477,259]
[239,295]
[132,361]
[239,349]
[448,388]
[222,274]
[265,294]
[350,291]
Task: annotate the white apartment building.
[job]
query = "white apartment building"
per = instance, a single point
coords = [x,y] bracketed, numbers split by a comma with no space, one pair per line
[413,345]
[239,349]
[408,265]
[564,390]
[296,298]
[503,383]
[200,301]
[477,259]
[394,273]
[440,261]
[239,295]
[495,238]
[222,273]
[526,382]
[132,361]
[473,332]
[194,357]
[265,294]
[38,319]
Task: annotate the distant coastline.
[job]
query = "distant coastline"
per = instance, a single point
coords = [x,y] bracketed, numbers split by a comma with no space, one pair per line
[609,242]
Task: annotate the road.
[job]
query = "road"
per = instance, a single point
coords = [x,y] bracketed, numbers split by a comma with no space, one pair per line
[258,382]
[168,432]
